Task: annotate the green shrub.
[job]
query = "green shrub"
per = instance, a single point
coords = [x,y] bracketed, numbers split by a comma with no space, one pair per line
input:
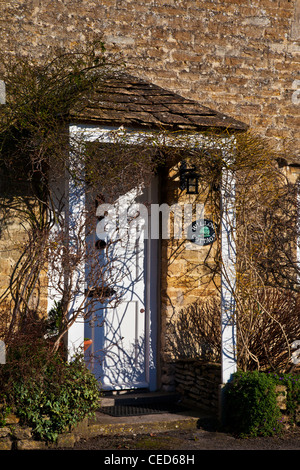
[46,392]
[251,407]
[4,411]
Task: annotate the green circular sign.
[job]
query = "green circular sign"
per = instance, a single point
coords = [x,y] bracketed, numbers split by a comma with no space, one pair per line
[202,232]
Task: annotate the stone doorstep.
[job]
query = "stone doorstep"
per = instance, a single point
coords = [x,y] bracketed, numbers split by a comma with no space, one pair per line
[103,424]
[145,428]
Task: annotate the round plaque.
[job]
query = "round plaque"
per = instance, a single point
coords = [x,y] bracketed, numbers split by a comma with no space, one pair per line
[202,232]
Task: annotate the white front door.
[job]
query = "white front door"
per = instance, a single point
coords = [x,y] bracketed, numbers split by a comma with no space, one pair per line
[123,328]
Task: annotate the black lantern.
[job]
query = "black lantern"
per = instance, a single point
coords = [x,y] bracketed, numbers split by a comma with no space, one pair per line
[189,178]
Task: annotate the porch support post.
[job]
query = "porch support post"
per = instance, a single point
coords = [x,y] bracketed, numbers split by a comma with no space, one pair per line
[228,277]
[76,238]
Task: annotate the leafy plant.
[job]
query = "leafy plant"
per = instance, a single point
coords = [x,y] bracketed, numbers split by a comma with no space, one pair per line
[46,392]
[251,407]
[4,411]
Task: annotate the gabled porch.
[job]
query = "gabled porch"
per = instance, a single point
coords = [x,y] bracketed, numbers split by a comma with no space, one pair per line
[133,108]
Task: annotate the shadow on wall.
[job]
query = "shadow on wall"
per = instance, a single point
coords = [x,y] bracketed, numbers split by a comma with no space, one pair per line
[195,332]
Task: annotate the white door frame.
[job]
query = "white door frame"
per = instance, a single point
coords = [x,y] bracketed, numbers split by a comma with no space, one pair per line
[228,331]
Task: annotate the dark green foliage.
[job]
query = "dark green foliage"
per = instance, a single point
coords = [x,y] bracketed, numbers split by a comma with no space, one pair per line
[251,407]
[46,392]
[55,319]
[4,411]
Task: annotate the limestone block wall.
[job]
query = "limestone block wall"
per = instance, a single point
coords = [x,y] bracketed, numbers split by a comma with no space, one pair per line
[240,57]
[189,272]
[10,241]
[198,383]
[13,243]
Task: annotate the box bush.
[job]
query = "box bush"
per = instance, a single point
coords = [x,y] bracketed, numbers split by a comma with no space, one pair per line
[46,392]
[250,405]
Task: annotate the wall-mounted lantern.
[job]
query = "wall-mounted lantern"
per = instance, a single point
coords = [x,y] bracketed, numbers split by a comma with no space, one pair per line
[189,179]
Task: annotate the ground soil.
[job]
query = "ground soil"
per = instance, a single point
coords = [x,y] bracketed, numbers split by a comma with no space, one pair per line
[205,437]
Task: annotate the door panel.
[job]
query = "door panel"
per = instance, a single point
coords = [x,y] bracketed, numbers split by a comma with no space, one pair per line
[120,329]
[124,361]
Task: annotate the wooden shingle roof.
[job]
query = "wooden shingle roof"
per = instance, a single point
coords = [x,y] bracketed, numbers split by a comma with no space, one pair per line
[132,102]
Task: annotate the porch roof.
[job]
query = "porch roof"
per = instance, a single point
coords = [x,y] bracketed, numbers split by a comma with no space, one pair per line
[133,102]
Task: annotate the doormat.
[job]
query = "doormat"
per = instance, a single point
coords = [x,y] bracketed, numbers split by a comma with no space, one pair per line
[138,410]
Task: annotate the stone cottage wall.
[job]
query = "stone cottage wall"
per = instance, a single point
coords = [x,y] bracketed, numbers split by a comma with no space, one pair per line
[198,383]
[188,274]
[240,57]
